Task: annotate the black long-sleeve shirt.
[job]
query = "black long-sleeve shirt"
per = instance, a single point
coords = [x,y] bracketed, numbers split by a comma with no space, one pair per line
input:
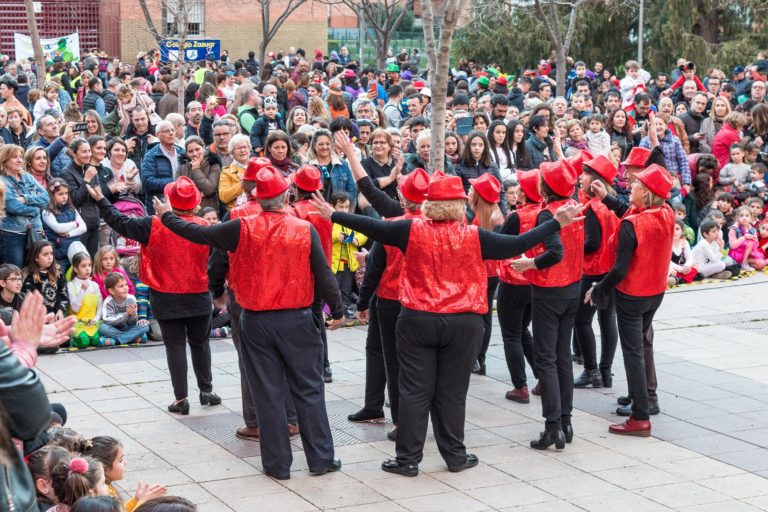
[493,246]
[381,202]
[593,233]
[226,236]
[375,265]
[627,244]
[165,306]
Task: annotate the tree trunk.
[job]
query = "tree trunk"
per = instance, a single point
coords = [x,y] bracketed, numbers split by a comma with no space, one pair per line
[381,52]
[37,48]
[562,55]
[264,4]
[148,19]
[181,29]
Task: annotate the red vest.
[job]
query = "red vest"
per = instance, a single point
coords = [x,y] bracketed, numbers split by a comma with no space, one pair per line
[389,284]
[568,271]
[491,266]
[647,276]
[172,264]
[252,207]
[527,214]
[270,268]
[323,226]
[601,261]
[443,270]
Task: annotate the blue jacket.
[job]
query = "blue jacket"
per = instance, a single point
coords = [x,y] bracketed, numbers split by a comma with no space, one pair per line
[341,179]
[19,215]
[156,173]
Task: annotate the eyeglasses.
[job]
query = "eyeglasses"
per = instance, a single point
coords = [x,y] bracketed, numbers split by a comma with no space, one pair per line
[14,279]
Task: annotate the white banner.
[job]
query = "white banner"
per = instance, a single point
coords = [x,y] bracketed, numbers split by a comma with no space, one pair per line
[68,47]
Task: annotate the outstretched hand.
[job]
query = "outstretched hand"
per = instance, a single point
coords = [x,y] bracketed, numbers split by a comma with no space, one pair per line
[55,332]
[322,208]
[341,141]
[27,323]
[568,213]
[161,206]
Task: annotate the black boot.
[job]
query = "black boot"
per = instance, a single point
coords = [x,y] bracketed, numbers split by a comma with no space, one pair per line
[549,438]
[607,376]
[587,378]
[567,431]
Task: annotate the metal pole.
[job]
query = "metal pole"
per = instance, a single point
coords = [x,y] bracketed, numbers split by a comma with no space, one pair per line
[361,25]
[640,34]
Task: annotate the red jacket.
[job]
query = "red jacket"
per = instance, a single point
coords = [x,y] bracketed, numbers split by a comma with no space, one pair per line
[722,143]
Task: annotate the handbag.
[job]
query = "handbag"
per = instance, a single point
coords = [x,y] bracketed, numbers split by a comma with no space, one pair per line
[32,237]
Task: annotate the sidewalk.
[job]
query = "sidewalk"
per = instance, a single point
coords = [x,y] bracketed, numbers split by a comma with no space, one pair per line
[709,449]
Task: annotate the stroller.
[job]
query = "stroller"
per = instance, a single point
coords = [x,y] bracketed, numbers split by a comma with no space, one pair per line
[129,207]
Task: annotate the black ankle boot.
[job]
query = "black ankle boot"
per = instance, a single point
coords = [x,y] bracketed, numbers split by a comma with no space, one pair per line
[568,433]
[549,438]
[211,398]
[180,407]
[588,378]
[607,377]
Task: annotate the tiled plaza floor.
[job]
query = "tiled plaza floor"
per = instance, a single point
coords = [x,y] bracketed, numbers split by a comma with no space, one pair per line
[709,450]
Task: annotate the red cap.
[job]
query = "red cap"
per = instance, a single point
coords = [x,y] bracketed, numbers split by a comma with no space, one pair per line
[488,187]
[445,188]
[502,80]
[559,176]
[350,73]
[637,157]
[308,178]
[270,183]
[414,186]
[419,84]
[183,194]
[603,167]
[529,184]
[254,166]
[656,179]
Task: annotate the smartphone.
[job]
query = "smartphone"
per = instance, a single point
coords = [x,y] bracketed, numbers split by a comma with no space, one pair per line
[80,127]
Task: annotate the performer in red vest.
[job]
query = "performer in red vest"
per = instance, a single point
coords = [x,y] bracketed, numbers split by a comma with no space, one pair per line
[513,303]
[556,266]
[306,181]
[600,226]
[382,276]
[484,194]
[218,269]
[174,269]
[276,260]
[639,277]
[443,293]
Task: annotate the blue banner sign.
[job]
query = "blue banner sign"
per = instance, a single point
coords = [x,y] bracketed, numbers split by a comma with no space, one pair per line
[194,49]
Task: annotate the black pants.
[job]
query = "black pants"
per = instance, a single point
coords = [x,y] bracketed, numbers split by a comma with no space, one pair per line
[346,281]
[585,335]
[635,315]
[552,328]
[317,311]
[90,240]
[249,404]
[388,311]
[488,319]
[513,306]
[437,353]
[176,333]
[278,345]
[375,375]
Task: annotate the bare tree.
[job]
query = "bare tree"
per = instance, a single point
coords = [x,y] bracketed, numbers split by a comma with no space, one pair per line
[179,10]
[148,19]
[37,47]
[270,30]
[439,63]
[383,17]
[551,20]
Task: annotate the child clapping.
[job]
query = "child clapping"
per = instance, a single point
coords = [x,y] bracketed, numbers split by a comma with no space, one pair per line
[119,314]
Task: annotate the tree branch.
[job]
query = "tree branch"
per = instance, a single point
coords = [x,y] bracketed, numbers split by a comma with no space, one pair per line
[148,20]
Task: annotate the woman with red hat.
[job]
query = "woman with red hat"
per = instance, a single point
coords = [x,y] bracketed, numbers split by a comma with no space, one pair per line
[382,277]
[443,293]
[484,194]
[555,298]
[307,181]
[639,277]
[175,270]
[600,226]
[276,261]
[513,302]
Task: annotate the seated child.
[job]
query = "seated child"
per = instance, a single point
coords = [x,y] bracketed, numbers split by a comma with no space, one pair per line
[762,236]
[680,214]
[84,303]
[40,463]
[681,268]
[109,451]
[74,478]
[707,255]
[104,262]
[10,291]
[735,173]
[756,206]
[119,314]
[742,240]
[755,187]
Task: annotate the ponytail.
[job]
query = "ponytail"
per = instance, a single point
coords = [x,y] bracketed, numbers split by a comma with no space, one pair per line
[76,478]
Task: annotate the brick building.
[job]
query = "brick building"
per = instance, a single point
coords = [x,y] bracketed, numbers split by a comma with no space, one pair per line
[119,27]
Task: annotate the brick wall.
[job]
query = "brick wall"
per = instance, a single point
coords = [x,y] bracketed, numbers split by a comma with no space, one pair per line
[237,24]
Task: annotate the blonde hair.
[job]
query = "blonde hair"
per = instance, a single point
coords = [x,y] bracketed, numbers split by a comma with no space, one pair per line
[452,209]
[483,210]
[103,251]
[2,200]
[7,152]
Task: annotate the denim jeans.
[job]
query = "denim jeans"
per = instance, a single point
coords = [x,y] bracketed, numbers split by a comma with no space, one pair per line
[13,248]
[125,335]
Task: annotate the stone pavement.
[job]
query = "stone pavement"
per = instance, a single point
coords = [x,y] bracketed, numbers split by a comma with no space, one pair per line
[709,450]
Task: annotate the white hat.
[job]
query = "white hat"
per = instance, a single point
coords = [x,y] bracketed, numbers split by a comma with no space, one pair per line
[426,91]
[75,248]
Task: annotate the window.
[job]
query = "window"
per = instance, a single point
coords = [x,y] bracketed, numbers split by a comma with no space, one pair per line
[195,14]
